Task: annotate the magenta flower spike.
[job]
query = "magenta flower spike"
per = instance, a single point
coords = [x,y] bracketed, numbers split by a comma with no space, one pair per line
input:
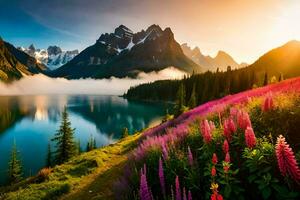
[190,196]
[177,188]
[225,146]
[161,177]
[287,162]
[250,137]
[145,193]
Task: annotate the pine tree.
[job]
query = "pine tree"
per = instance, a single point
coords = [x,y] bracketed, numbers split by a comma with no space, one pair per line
[79,150]
[180,102]
[91,144]
[192,102]
[64,138]
[125,132]
[49,157]
[280,77]
[14,166]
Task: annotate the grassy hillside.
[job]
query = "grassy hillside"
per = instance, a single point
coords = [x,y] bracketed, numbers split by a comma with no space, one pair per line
[88,176]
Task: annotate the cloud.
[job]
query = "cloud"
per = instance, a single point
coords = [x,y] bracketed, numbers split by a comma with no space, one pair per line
[41,84]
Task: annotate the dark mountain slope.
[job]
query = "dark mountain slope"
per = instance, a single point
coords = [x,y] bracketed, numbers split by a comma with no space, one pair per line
[124,53]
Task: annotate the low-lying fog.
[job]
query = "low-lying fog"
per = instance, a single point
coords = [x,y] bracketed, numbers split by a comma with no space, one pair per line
[41,84]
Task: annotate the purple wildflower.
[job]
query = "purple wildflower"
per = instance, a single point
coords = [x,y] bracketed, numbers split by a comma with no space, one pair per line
[145,193]
[161,177]
[177,188]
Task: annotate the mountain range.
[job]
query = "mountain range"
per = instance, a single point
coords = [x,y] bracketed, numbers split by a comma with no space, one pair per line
[53,57]
[15,63]
[125,53]
[221,61]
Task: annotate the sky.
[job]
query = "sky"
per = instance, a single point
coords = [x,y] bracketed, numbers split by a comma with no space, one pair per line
[243,28]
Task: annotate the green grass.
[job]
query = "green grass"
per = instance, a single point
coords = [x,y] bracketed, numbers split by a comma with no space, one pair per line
[87,176]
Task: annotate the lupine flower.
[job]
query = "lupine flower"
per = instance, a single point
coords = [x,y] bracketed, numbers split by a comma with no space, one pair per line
[243,120]
[206,129]
[225,146]
[165,152]
[184,194]
[226,166]
[227,157]
[213,171]
[145,193]
[286,159]
[190,157]
[161,177]
[214,159]
[215,195]
[250,137]
[190,196]
[177,188]
[268,103]
[229,128]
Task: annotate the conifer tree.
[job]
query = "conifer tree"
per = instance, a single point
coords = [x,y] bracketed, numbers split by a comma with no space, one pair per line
[192,102]
[91,144]
[180,102]
[64,138]
[79,150]
[125,132]
[49,156]
[14,166]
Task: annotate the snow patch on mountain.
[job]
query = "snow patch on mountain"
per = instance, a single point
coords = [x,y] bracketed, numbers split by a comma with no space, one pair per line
[53,57]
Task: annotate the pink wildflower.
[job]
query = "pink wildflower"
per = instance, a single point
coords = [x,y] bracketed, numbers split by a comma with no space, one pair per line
[268,103]
[250,137]
[227,157]
[145,193]
[243,120]
[213,171]
[161,177]
[286,159]
[184,194]
[177,188]
[190,196]
[229,128]
[165,152]
[214,159]
[206,130]
[225,146]
[216,196]
[190,157]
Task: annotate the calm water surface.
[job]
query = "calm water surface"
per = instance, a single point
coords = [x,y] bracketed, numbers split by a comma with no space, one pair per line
[32,121]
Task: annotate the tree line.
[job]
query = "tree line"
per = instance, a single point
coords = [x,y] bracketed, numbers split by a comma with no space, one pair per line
[196,89]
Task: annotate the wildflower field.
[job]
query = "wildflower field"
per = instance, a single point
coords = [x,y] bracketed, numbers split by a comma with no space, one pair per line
[243,146]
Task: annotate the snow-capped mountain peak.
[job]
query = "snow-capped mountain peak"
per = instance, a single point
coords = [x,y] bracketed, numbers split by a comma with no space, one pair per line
[53,57]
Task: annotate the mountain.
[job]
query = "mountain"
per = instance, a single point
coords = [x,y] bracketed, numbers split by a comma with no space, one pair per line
[221,61]
[53,57]
[283,60]
[124,53]
[14,63]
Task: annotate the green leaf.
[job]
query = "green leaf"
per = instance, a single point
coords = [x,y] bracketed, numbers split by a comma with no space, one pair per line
[266,193]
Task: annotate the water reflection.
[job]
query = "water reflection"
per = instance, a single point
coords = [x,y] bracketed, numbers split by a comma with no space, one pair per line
[33,120]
